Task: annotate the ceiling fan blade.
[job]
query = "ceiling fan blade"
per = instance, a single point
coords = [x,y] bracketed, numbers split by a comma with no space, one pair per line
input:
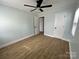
[41,10]
[29,6]
[46,6]
[33,10]
[39,2]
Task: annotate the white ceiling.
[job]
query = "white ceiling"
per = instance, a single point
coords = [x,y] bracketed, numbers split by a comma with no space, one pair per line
[20,3]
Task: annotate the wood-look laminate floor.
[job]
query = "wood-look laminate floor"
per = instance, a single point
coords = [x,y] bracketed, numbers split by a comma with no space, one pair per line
[37,47]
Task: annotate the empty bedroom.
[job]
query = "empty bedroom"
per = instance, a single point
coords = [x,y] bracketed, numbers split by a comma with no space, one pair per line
[39,29]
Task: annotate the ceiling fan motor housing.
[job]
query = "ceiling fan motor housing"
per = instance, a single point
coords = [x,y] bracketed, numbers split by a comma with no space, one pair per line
[37,1]
[38,6]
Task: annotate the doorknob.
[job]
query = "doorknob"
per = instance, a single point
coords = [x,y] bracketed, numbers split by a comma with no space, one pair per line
[55,27]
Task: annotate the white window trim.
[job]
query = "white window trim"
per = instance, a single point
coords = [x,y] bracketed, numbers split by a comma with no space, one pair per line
[75,22]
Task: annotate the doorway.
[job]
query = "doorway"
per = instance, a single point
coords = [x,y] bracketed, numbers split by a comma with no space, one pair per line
[38,25]
[41,25]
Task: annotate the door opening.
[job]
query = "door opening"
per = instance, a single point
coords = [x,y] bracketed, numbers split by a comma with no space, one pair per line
[41,25]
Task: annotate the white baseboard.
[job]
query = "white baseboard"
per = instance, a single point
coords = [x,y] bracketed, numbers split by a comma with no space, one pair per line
[12,42]
[70,50]
[58,37]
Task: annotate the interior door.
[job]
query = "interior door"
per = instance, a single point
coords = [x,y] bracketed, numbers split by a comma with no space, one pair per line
[41,24]
[59,25]
[36,25]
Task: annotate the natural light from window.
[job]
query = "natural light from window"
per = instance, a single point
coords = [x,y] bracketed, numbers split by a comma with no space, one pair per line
[75,22]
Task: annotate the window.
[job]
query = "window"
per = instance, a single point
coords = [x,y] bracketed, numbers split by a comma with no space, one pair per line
[75,22]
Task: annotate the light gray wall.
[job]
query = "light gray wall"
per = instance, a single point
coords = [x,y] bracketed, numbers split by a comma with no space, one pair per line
[50,19]
[75,43]
[49,23]
[16,24]
[69,17]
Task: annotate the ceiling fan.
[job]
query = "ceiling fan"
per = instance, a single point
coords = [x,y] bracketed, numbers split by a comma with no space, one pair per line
[38,6]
